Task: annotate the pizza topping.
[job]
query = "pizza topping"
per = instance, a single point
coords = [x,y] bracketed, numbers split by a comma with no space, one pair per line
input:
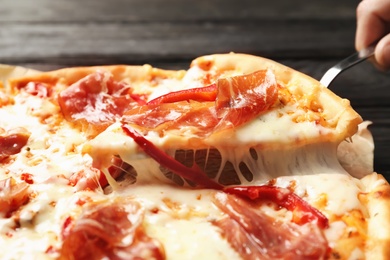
[97,99]
[254,235]
[27,177]
[12,196]
[109,231]
[230,103]
[194,174]
[199,117]
[303,212]
[12,141]
[241,98]
[208,93]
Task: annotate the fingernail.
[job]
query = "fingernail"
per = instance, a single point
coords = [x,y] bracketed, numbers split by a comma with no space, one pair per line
[385,62]
[382,53]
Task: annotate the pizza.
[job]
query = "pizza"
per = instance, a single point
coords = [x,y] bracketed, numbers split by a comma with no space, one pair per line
[236,157]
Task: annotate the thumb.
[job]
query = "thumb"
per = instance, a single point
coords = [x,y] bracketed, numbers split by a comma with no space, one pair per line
[382,52]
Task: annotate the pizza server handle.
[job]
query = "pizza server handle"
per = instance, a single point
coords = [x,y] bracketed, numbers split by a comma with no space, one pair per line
[348,62]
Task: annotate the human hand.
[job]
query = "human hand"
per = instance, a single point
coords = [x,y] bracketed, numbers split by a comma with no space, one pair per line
[373,23]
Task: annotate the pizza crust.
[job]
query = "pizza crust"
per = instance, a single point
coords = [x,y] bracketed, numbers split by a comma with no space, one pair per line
[125,73]
[8,72]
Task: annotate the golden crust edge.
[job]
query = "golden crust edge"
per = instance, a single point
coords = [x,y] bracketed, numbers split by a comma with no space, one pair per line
[378,223]
[71,75]
[8,71]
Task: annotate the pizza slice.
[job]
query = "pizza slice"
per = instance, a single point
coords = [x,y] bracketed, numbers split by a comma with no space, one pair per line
[238,157]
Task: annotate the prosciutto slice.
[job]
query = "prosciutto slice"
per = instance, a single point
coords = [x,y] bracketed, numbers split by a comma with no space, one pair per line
[12,196]
[109,231]
[255,235]
[229,103]
[97,99]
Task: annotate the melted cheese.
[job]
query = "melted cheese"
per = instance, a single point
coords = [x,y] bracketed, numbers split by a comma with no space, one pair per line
[298,160]
[181,221]
[50,156]
[271,127]
[338,201]
[267,129]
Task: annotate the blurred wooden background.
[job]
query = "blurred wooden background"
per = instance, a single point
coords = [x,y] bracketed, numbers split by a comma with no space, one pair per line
[309,36]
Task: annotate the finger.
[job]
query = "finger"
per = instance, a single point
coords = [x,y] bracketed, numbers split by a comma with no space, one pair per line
[373,17]
[382,52]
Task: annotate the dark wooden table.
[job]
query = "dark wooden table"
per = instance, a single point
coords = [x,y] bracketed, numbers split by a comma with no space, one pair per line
[309,36]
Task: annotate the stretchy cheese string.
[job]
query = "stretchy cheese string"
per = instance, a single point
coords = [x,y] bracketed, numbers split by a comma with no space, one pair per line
[282,197]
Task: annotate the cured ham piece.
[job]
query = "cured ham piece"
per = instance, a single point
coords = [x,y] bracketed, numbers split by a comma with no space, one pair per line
[12,196]
[97,99]
[200,117]
[241,98]
[238,100]
[255,235]
[109,231]
[303,212]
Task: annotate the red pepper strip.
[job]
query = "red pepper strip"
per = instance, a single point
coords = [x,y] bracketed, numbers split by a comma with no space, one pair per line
[194,174]
[208,93]
[139,98]
[284,198]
